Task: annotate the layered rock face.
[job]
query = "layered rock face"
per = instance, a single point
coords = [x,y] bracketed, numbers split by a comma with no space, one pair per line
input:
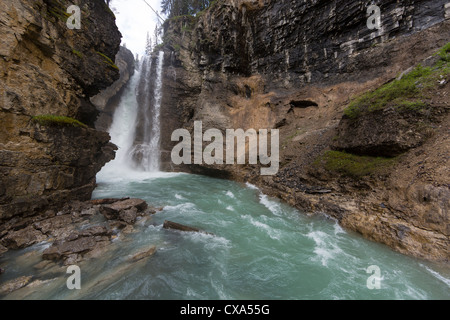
[50,70]
[295,66]
[108,100]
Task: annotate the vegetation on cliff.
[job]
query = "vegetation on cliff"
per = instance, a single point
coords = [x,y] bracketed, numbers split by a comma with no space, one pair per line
[58,121]
[408,92]
[351,165]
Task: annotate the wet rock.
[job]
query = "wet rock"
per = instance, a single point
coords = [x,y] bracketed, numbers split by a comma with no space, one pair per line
[23,238]
[66,249]
[2,270]
[139,204]
[129,216]
[125,210]
[109,213]
[181,227]
[106,201]
[142,254]
[3,249]
[15,284]
[49,225]
[96,231]
[90,212]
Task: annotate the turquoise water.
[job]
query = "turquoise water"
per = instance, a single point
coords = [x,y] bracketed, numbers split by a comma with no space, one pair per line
[259,249]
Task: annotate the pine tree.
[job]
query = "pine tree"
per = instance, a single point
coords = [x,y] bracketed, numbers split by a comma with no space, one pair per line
[173,8]
[156,36]
[148,46]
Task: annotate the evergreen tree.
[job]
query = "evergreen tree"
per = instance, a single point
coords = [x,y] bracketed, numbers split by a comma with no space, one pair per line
[149,45]
[173,8]
[156,36]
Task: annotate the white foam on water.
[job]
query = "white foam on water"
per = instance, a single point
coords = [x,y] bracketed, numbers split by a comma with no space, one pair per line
[114,174]
[182,207]
[210,241]
[251,186]
[230,194]
[179,197]
[326,249]
[273,206]
[271,232]
[230,208]
[437,275]
[338,229]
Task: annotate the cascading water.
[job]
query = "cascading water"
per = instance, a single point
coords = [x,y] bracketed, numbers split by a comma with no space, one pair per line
[136,124]
[152,161]
[146,152]
[123,130]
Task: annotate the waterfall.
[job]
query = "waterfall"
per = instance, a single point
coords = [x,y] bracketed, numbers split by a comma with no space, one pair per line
[136,123]
[123,131]
[151,161]
[146,152]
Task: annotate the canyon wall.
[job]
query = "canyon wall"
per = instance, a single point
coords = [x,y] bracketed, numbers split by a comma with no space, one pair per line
[49,151]
[295,66]
[108,99]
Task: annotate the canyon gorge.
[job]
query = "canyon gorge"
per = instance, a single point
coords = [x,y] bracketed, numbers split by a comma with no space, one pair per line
[305,68]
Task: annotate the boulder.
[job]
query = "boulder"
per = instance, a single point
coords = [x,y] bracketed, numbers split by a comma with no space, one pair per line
[181,227]
[129,216]
[142,254]
[66,249]
[139,204]
[23,238]
[117,210]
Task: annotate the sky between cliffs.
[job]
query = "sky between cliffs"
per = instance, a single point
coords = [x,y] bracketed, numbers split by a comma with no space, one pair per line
[134,19]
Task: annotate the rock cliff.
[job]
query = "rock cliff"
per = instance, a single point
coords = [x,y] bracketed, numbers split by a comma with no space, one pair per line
[107,100]
[49,150]
[296,66]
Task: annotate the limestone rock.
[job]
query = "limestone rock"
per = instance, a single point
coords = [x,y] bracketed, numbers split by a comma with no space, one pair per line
[51,70]
[108,99]
[385,133]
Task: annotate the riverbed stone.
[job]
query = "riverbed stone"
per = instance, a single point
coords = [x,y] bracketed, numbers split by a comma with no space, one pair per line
[14,284]
[2,249]
[129,216]
[23,238]
[139,204]
[66,249]
[142,254]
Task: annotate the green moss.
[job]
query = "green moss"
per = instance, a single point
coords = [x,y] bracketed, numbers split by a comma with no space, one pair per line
[405,94]
[57,121]
[352,165]
[159,47]
[58,10]
[107,60]
[77,53]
